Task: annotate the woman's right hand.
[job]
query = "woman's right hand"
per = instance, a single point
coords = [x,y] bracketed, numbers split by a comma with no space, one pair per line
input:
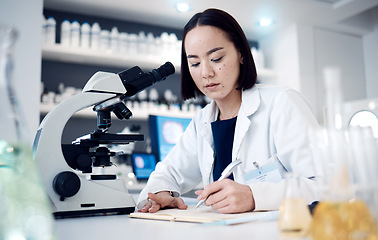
[157,201]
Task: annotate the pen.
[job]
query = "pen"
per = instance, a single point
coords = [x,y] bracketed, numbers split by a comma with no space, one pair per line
[226,172]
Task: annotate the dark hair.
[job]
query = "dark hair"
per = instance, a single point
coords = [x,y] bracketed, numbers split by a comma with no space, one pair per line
[222,20]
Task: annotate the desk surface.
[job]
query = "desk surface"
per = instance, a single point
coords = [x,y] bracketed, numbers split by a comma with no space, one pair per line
[123,227]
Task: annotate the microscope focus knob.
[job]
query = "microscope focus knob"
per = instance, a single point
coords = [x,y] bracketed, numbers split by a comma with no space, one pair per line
[66,184]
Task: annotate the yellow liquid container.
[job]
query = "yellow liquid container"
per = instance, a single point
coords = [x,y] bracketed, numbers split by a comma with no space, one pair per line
[345,160]
[295,218]
[350,220]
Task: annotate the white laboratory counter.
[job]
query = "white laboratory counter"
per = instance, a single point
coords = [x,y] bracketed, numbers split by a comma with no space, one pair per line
[115,227]
[123,227]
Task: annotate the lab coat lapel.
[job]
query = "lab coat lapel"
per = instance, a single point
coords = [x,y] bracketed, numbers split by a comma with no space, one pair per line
[250,104]
[206,133]
[209,117]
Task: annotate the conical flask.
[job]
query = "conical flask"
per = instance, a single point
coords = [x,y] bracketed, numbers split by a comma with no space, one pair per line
[341,212]
[24,207]
[295,217]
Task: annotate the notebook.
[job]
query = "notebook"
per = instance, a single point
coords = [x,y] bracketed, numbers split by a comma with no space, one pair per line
[202,214]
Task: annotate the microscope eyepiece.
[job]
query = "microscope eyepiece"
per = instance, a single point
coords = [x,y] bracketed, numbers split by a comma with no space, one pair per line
[163,71]
[135,80]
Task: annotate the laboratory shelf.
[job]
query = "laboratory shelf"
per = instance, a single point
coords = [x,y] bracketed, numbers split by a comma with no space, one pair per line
[139,113]
[61,53]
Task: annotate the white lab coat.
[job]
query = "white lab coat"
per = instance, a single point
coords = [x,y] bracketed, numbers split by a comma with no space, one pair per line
[271,120]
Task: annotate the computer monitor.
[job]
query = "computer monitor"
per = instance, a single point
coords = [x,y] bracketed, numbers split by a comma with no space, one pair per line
[143,165]
[165,132]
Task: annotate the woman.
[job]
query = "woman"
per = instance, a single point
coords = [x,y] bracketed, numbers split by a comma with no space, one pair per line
[265,127]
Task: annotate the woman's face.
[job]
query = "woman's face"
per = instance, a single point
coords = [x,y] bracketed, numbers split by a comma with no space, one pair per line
[213,61]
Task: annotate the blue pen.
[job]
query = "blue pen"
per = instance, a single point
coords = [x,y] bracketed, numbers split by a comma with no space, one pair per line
[226,172]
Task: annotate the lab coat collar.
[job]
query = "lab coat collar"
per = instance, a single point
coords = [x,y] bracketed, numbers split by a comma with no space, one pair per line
[250,101]
[250,104]
[210,115]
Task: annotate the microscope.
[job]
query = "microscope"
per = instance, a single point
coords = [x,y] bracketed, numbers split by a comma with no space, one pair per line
[66,168]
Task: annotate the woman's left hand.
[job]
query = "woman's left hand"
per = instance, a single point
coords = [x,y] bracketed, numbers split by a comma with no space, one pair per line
[157,201]
[228,196]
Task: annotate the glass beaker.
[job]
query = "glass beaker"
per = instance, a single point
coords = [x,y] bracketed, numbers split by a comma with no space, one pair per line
[295,217]
[349,202]
[24,207]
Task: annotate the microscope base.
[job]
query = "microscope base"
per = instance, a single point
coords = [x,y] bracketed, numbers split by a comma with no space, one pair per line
[94,212]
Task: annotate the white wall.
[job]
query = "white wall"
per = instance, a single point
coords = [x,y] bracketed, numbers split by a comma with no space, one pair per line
[281,54]
[299,53]
[307,71]
[25,16]
[290,52]
[345,52]
[370,42]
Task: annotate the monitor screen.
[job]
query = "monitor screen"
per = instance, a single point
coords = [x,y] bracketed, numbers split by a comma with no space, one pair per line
[143,165]
[165,133]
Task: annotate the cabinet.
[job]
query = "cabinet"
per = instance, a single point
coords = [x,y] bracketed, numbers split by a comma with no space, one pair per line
[82,56]
[103,58]
[98,60]
[89,57]
[74,66]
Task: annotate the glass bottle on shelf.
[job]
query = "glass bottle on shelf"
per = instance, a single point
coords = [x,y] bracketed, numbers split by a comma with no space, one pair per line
[24,207]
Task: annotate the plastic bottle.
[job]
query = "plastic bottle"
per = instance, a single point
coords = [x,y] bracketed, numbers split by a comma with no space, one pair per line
[114,40]
[65,33]
[95,36]
[158,46]
[142,43]
[123,42]
[44,25]
[50,31]
[133,46]
[85,35]
[153,100]
[104,40]
[151,44]
[75,34]
[173,54]
[172,41]
[165,44]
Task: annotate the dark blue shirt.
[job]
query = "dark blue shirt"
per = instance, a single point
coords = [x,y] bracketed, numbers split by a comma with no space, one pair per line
[223,134]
